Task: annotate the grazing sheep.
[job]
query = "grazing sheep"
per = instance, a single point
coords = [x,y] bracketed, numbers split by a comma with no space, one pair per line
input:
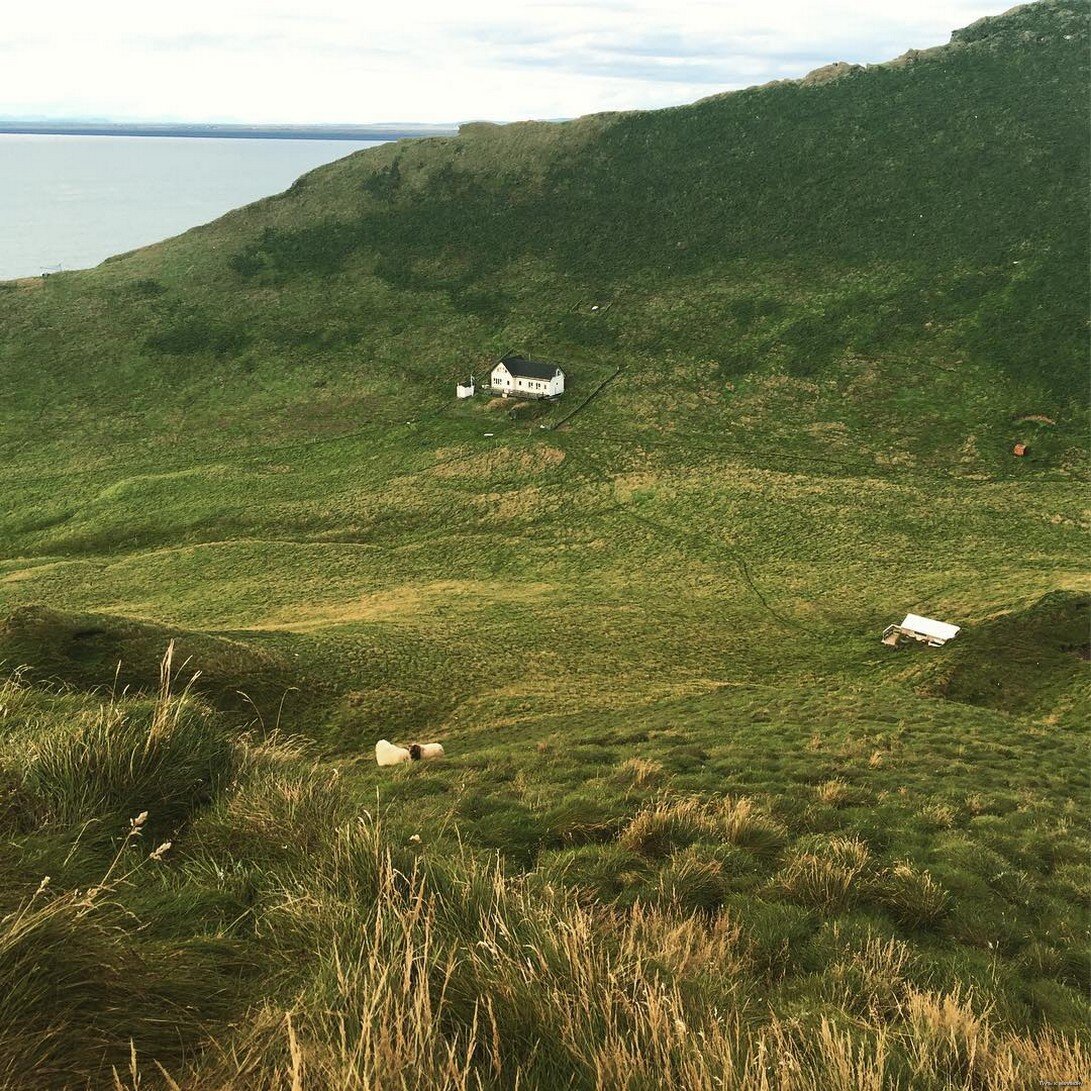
[388,754]
[426,750]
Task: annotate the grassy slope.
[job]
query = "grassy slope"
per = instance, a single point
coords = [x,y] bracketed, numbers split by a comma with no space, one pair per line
[319,948]
[832,305]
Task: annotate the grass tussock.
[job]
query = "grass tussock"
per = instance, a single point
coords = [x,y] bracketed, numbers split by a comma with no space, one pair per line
[871,978]
[79,984]
[692,883]
[670,824]
[830,879]
[834,793]
[111,759]
[913,896]
[641,773]
[951,1042]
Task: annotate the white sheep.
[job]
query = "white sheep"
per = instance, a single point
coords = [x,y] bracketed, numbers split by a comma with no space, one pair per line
[387,753]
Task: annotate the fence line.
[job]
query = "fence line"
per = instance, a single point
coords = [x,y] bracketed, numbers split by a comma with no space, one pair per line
[586,401]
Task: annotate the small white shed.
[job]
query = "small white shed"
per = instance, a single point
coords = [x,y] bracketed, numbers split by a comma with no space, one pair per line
[924,629]
[466,391]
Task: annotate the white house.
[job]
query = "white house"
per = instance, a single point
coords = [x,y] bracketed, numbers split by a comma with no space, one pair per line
[517,377]
[925,629]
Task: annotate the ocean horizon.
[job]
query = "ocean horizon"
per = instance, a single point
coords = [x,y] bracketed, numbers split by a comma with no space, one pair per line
[71,201]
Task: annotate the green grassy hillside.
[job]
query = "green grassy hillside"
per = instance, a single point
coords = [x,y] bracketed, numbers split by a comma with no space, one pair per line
[898,251]
[645,628]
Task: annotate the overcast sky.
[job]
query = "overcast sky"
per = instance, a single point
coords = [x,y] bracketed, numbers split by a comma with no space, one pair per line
[299,61]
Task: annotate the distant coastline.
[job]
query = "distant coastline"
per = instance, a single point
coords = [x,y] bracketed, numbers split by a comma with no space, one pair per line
[230,132]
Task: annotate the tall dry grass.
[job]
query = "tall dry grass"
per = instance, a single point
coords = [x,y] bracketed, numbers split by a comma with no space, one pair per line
[102,761]
[460,978]
[79,984]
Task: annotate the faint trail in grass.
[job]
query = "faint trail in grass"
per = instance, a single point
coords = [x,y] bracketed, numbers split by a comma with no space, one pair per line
[687,544]
[737,559]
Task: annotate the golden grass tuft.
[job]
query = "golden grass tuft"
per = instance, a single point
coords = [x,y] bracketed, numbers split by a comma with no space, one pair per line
[691,883]
[834,793]
[641,772]
[828,878]
[948,1040]
[939,816]
[871,978]
[912,896]
[744,824]
[670,824]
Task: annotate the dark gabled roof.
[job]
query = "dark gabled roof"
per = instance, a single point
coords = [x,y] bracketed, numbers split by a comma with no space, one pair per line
[529,369]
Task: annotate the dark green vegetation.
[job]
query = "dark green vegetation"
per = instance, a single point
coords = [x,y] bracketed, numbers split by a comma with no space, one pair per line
[647,634]
[1024,661]
[97,651]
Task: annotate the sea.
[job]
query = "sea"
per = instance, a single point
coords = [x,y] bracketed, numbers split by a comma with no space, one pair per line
[68,202]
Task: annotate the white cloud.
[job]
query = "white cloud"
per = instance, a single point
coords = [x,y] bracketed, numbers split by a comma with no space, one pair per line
[429,60]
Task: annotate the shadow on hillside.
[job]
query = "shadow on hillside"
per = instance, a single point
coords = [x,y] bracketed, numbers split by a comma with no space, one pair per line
[1032,660]
[99,651]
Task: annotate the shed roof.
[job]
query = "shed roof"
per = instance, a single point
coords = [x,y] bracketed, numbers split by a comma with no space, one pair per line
[529,369]
[938,630]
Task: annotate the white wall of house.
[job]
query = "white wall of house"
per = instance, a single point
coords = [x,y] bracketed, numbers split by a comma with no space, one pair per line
[501,379]
[555,385]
